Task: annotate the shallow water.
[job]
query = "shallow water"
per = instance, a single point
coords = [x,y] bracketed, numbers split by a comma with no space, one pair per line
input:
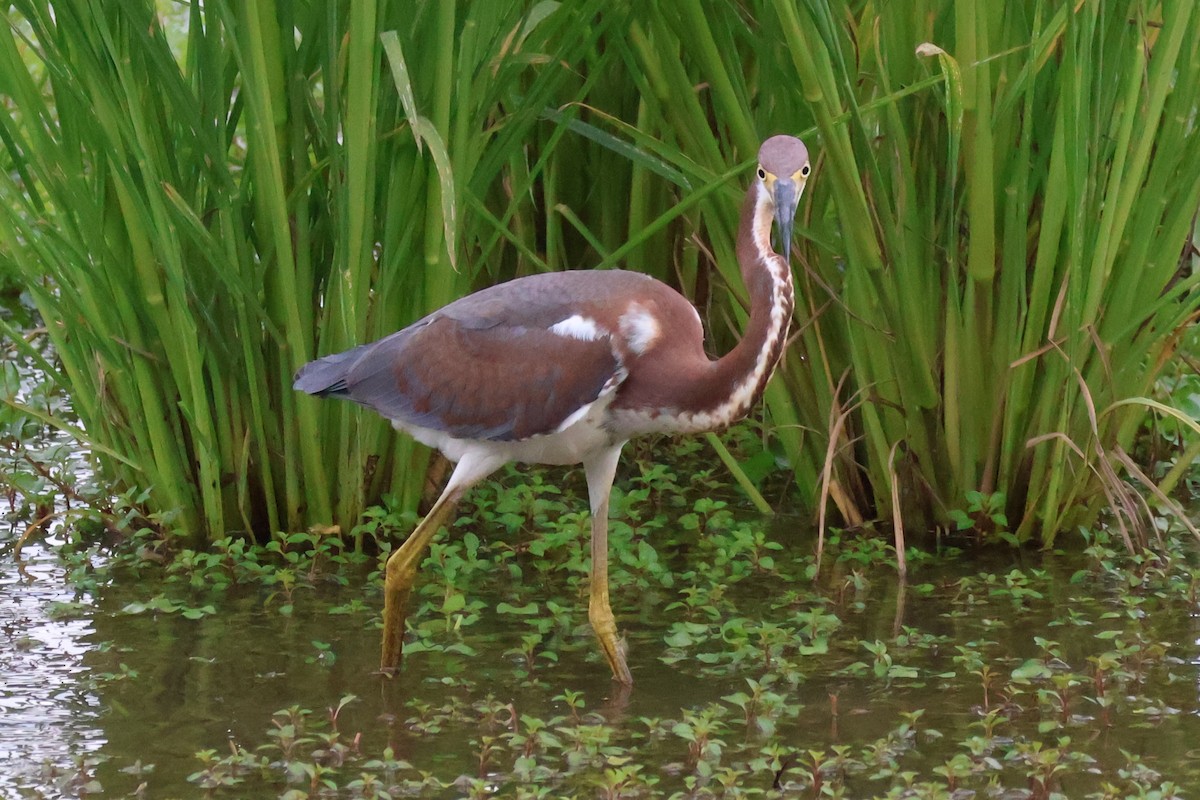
[98,698]
[49,709]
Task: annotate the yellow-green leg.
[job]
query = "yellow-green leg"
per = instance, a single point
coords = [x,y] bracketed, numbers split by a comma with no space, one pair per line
[401,570]
[600,473]
[400,574]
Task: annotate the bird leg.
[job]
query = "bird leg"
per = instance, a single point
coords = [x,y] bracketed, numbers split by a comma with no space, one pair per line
[401,570]
[600,474]
[599,611]
[399,576]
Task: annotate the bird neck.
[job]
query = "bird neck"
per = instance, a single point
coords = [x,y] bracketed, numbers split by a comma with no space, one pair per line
[744,371]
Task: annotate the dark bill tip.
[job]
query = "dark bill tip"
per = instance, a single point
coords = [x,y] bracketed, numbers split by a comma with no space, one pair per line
[786,198]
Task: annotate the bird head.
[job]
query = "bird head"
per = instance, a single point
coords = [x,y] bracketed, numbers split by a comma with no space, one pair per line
[783,169]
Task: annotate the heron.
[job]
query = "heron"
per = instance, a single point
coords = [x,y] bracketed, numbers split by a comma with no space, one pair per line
[564,368]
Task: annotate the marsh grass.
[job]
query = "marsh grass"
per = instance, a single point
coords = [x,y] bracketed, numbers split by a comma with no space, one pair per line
[993,266]
[990,265]
[195,223]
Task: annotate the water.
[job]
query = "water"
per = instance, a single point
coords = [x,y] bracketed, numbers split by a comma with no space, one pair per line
[97,696]
[50,712]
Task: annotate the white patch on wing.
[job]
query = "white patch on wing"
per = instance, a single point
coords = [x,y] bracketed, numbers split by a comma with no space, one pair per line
[640,328]
[578,327]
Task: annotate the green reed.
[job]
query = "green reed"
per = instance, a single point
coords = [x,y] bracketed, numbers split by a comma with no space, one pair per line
[989,273]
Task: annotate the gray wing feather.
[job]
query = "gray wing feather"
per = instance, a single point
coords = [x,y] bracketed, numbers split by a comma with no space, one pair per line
[486,366]
[501,383]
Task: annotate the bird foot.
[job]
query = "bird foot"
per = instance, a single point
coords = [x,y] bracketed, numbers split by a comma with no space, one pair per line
[397,588]
[620,668]
[615,649]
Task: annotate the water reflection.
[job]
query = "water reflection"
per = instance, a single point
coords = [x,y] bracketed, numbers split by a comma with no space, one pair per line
[155,688]
[51,713]
[50,707]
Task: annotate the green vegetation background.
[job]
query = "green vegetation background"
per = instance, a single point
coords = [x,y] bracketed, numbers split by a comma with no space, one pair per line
[992,275]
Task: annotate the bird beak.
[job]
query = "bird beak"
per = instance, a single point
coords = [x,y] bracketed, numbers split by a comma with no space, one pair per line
[787,196]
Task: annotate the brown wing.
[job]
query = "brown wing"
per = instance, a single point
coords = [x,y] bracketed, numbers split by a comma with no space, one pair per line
[500,382]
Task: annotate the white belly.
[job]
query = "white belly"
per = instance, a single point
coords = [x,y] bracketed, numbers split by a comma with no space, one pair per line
[580,439]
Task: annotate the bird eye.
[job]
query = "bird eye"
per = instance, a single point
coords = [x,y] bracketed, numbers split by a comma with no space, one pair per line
[762,174]
[805,170]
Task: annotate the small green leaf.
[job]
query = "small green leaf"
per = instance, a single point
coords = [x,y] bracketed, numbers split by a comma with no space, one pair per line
[526,610]
[1031,670]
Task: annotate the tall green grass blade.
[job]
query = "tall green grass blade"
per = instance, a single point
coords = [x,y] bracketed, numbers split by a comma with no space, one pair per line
[978,231]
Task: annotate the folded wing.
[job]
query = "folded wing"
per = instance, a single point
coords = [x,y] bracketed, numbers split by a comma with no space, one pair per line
[497,381]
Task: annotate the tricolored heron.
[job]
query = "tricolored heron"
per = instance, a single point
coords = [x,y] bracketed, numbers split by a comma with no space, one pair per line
[564,368]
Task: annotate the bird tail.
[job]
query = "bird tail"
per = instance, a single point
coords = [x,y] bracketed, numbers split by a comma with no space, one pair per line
[327,376]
